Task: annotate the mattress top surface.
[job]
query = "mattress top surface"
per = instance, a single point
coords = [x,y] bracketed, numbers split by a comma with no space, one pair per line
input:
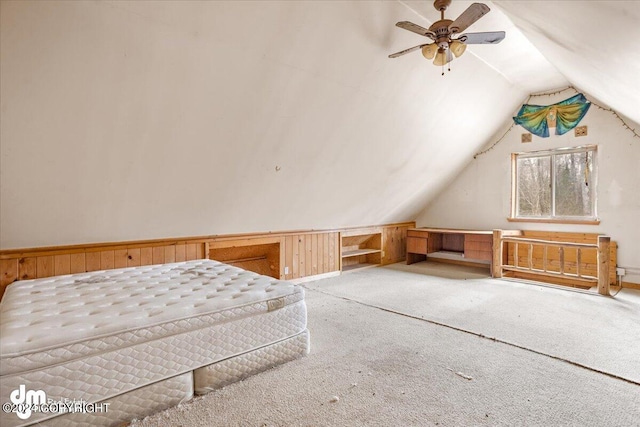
[46,313]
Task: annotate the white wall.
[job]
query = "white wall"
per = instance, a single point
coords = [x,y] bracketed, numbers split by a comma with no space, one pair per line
[480,196]
[136,120]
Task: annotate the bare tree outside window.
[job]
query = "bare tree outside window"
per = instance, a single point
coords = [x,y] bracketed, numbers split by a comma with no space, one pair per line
[555,184]
[534,186]
[573,184]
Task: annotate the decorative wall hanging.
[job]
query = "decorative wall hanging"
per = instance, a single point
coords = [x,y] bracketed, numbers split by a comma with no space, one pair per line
[526,137]
[635,133]
[567,113]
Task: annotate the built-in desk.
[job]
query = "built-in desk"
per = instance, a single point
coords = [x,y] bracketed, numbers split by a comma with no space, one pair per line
[452,245]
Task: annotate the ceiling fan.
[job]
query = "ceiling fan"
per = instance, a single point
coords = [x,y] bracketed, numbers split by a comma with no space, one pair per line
[444,33]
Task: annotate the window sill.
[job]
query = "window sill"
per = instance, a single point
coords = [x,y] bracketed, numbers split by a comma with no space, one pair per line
[556,221]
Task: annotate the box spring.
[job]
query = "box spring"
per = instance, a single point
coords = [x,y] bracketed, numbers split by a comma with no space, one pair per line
[94,336]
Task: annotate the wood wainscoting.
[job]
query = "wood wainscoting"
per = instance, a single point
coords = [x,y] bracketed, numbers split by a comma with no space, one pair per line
[36,263]
[310,254]
[285,255]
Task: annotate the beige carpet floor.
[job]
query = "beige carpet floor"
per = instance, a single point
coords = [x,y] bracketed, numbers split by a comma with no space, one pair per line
[437,345]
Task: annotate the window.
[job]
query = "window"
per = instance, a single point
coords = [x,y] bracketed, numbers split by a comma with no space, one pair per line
[555,185]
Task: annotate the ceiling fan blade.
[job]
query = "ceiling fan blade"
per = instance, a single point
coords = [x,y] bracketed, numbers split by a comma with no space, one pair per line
[415,28]
[468,17]
[411,49]
[493,37]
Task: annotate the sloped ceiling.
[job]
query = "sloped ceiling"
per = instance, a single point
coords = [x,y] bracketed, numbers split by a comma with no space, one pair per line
[131,120]
[514,58]
[592,43]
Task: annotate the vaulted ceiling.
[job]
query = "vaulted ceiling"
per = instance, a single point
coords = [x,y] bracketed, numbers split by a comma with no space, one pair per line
[588,44]
[150,119]
[591,43]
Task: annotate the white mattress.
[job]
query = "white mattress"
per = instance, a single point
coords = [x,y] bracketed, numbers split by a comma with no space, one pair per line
[96,335]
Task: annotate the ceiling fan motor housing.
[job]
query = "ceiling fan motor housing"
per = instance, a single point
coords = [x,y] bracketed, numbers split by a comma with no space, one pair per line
[441,30]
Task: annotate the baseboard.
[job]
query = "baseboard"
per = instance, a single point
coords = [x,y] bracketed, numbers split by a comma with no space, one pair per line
[316,277]
[628,285]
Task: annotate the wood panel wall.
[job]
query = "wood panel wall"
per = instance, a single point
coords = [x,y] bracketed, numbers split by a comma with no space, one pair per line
[304,253]
[394,243]
[310,254]
[56,261]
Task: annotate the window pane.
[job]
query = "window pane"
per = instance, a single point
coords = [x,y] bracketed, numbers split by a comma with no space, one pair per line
[534,186]
[573,184]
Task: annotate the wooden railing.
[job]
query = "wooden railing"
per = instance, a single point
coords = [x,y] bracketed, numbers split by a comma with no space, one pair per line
[501,263]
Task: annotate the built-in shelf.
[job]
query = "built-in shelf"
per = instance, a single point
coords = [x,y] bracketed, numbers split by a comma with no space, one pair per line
[361,248]
[354,267]
[358,252]
[457,256]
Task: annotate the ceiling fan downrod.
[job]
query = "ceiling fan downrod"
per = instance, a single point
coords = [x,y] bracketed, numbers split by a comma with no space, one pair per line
[441,5]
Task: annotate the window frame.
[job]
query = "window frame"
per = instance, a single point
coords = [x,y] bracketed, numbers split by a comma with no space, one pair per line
[553,218]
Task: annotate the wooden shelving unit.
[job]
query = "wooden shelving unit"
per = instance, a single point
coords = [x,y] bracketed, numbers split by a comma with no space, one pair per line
[361,248]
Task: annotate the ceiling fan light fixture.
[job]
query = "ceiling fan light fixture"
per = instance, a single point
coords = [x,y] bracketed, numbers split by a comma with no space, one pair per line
[441,57]
[457,48]
[429,51]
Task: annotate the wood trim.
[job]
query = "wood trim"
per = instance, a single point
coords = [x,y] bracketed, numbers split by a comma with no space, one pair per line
[628,285]
[257,240]
[361,231]
[451,230]
[521,240]
[604,263]
[566,276]
[556,221]
[513,195]
[498,257]
[9,272]
[555,281]
[87,247]
[95,247]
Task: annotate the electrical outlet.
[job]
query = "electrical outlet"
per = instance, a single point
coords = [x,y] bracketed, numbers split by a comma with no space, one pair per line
[580,131]
[621,271]
[286,270]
